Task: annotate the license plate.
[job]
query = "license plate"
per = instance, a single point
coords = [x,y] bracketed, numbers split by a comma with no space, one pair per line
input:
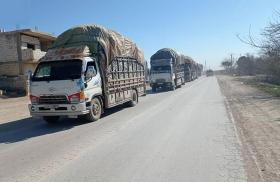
[51,107]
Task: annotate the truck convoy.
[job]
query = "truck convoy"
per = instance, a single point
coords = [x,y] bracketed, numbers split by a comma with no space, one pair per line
[170,69]
[88,69]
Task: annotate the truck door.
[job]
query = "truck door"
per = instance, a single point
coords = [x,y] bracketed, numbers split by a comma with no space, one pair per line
[93,84]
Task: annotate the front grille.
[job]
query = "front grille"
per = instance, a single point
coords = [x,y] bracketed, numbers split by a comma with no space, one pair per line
[160,80]
[53,99]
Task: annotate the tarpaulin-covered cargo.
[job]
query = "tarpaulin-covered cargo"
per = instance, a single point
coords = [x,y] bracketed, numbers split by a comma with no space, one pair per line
[113,44]
[166,53]
[186,59]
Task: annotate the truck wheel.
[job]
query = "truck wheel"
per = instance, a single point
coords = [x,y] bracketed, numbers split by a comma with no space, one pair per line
[51,119]
[134,100]
[95,110]
[183,81]
[180,85]
[173,86]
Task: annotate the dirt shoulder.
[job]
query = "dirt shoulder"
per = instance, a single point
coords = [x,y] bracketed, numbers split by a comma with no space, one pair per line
[257,118]
[12,109]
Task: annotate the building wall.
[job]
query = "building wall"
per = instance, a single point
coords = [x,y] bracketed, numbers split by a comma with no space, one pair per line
[34,55]
[8,48]
[10,78]
[9,69]
[31,40]
[29,67]
[9,63]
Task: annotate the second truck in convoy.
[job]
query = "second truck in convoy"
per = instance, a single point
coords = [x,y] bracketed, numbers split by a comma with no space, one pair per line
[166,70]
[170,69]
[87,69]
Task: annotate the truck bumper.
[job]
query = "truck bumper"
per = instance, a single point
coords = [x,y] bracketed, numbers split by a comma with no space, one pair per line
[58,110]
[163,84]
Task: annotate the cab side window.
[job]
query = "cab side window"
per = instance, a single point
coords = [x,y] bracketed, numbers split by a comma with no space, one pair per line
[91,63]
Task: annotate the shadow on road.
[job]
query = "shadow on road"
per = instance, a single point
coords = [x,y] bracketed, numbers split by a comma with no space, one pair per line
[23,129]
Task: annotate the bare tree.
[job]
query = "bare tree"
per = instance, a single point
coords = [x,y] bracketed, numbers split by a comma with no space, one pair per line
[228,65]
[269,46]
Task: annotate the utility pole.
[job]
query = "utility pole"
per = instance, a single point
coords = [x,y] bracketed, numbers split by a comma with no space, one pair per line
[231,61]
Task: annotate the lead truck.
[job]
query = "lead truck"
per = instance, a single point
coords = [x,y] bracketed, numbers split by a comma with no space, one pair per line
[88,69]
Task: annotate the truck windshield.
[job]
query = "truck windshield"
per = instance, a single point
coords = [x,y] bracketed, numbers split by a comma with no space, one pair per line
[160,69]
[58,70]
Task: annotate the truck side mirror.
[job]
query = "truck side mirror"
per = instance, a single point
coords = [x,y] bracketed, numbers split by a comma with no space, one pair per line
[91,72]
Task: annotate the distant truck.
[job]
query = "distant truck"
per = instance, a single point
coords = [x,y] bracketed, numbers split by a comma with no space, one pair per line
[200,70]
[170,69]
[88,69]
[190,69]
[209,72]
[167,71]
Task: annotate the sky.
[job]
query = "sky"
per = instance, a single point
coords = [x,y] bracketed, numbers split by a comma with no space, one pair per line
[205,30]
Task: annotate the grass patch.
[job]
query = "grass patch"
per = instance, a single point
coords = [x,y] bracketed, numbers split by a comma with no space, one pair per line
[271,89]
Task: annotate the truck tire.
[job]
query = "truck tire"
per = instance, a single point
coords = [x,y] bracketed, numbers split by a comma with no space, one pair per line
[51,119]
[183,81]
[180,85]
[134,100]
[95,110]
[173,86]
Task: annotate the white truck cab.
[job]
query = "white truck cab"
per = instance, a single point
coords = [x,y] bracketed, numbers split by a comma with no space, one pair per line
[162,74]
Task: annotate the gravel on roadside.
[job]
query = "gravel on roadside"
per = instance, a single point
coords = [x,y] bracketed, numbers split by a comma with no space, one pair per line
[257,118]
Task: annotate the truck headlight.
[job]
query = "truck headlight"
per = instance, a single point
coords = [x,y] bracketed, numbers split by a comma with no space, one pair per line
[77,97]
[74,99]
[34,99]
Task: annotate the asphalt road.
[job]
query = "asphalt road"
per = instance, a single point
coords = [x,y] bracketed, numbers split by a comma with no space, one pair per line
[184,135]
